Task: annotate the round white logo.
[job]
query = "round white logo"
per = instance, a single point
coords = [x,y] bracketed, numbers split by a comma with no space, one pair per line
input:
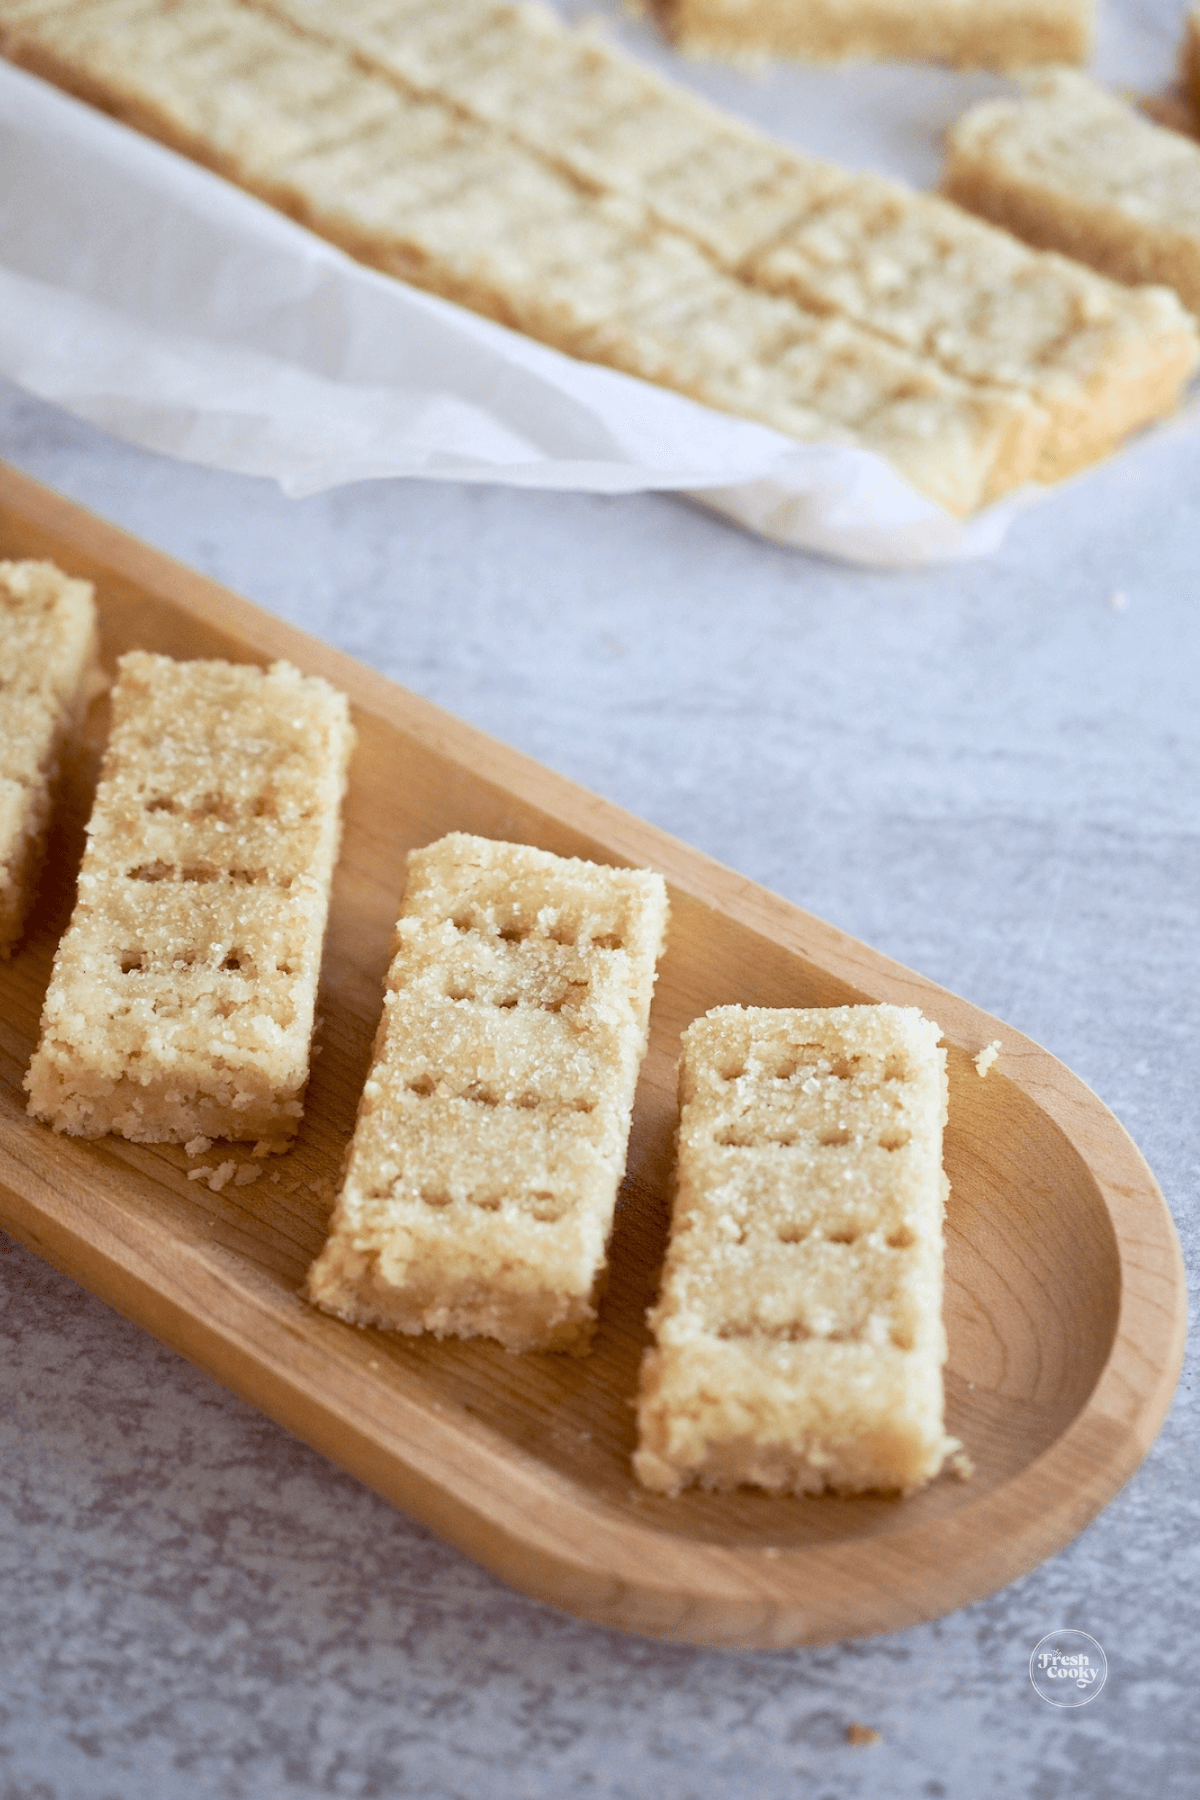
[1068,1668]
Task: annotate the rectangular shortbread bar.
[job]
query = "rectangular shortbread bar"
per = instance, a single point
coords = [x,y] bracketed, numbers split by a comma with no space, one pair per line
[798,1334]
[47,654]
[1071,167]
[1096,359]
[181,1002]
[482,1178]
[971,34]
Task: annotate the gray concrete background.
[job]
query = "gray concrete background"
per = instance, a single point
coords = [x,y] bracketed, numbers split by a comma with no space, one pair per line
[989,772]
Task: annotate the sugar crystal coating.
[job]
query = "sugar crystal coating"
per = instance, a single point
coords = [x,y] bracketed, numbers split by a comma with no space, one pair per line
[181,1002]
[481,1182]
[798,1333]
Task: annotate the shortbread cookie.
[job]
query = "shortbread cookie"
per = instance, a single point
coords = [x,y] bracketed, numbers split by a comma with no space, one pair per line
[181,1003]
[798,1335]
[1072,168]
[953,292]
[47,654]
[481,1181]
[971,34]
[1100,358]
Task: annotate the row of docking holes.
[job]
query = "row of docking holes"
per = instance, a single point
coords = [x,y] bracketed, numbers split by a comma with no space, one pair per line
[234,962]
[796,1332]
[205,873]
[541,1205]
[559,933]
[744,1137]
[806,1059]
[478,1092]
[901,1238]
[458,989]
[223,809]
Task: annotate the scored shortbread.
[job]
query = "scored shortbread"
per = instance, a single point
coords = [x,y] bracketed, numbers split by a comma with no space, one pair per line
[798,1333]
[47,656]
[971,34]
[1071,167]
[951,292]
[482,1178]
[182,998]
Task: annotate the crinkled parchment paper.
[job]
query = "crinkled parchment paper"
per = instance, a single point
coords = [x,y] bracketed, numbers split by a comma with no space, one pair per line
[149,297]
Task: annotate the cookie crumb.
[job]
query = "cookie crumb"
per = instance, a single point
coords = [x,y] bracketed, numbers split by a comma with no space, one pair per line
[961,1466]
[1118,601]
[217,1177]
[862,1734]
[987,1056]
[246,1174]
[197,1146]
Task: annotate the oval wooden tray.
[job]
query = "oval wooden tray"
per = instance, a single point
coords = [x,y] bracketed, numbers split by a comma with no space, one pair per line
[1065,1292]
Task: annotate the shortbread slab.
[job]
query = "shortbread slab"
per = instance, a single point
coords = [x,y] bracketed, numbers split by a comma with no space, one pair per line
[47,656]
[491,1138]
[970,34]
[182,999]
[1070,167]
[917,272]
[798,1333]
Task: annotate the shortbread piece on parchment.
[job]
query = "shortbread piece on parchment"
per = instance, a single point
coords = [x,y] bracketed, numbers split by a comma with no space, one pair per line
[1070,167]
[970,34]
[182,998]
[482,1179]
[798,1334]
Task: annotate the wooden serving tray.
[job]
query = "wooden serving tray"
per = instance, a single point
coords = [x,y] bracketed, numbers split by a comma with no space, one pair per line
[1065,1290]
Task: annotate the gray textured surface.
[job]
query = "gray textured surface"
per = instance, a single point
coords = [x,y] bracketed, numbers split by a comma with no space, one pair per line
[990,773]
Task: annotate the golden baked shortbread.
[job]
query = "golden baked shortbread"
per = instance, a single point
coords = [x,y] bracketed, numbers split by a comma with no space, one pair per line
[798,1334]
[47,654]
[181,1002]
[972,34]
[482,1178]
[1071,167]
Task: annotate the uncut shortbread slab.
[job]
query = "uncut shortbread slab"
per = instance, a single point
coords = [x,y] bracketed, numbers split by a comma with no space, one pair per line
[798,1333]
[1073,168]
[481,1181]
[971,34]
[1096,360]
[47,654]
[181,1002]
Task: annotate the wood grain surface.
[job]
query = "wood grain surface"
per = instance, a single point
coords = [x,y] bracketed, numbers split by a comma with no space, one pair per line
[1065,1301]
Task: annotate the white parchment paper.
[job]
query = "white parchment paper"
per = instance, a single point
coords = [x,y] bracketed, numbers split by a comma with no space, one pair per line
[149,297]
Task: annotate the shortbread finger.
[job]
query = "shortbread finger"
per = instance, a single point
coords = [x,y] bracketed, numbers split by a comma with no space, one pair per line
[970,34]
[1070,167]
[482,1178]
[798,1335]
[182,998]
[47,655]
